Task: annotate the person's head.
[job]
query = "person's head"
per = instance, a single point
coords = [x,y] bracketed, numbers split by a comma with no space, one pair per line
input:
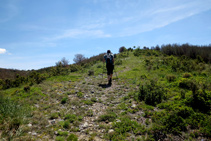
[108,51]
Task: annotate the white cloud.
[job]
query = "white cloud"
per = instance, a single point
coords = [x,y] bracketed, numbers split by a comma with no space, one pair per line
[2,51]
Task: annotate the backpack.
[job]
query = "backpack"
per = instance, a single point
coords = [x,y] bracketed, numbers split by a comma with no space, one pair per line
[109,59]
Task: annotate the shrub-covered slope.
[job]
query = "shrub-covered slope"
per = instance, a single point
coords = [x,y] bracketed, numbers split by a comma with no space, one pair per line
[153,97]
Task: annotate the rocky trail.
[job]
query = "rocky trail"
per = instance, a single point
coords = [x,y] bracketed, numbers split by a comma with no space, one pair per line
[88,99]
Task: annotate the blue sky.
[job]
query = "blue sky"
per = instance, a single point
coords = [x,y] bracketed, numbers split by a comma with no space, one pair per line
[36,34]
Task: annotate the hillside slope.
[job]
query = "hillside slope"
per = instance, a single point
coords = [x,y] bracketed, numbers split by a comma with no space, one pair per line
[153,97]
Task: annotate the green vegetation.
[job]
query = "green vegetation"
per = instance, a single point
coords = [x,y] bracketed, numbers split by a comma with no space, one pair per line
[12,116]
[157,94]
[151,93]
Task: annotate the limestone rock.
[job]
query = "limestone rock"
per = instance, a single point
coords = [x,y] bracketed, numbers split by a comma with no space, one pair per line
[110,131]
[133,106]
[34,134]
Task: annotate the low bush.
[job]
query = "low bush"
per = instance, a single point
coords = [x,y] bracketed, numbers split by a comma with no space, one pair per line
[171,77]
[187,75]
[93,99]
[111,116]
[195,120]
[71,117]
[60,138]
[88,102]
[80,94]
[175,124]
[91,72]
[26,88]
[74,68]
[89,113]
[66,124]
[125,125]
[123,55]
[118,62]
[54,115]
[206,127]
[151,93]
[186,83]
[137,52]
[64,100]
[158,132]
[183,111]
[200,100]
[72,137]
[61,133]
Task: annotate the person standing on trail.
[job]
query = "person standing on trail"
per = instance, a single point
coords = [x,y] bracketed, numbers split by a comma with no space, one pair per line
[109,58]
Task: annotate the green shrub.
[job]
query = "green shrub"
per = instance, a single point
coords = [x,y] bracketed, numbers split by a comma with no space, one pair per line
[111,116]
[147,114]
[74,68]
[123,55]
[99,66]
[187,75]
[64,100]
[66,124]
[118,62]
[26,88]
[88,102]
[200,100]
[182,94]
[151,93]
[12,116]
[195,120]
[126,125]
[186,83]
[61,133]
[148,62]
[171,77]
[71,117]
[137,52]
[183,111]
[54,115]
[89,113]
[80,94]
[91,72]
[60,138]
[143,76]
[72,137]
[148,53]
[206,127]
[93,99]
[158,132]
[175,124]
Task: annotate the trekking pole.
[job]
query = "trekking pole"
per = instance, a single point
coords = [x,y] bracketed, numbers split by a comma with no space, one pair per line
[115,73]
[103,71]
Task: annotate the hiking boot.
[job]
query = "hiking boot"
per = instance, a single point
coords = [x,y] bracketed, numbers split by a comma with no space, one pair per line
[110,80]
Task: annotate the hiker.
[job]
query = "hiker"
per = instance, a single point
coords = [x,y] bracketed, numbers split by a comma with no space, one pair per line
[109,58]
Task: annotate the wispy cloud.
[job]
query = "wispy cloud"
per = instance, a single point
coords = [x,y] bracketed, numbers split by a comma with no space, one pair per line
[160,15]
[80,33]
[2,51]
